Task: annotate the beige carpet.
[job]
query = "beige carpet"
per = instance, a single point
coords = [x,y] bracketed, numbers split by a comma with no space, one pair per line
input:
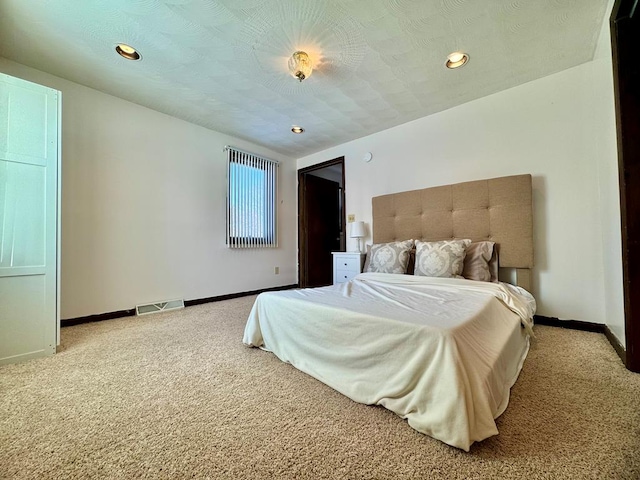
[177,395]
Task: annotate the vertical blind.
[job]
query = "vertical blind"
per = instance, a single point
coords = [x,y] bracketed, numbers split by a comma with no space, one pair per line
[251,200]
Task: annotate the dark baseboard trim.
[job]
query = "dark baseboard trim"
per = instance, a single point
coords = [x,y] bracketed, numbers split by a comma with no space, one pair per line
[615,343]
[199,301]
[587,327]
[69,322]
[572,324]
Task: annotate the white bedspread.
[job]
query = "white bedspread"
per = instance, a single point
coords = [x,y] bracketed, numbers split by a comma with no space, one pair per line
[442,353]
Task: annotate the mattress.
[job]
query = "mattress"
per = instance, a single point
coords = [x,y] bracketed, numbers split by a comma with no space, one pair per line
[441,353]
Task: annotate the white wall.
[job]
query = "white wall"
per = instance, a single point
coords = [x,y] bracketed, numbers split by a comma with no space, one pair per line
[545,128]
[604,133]
[143,207]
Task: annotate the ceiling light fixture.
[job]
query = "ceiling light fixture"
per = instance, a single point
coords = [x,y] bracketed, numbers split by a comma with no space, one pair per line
[127,52]
[300,65]
[297,129]
[456,59]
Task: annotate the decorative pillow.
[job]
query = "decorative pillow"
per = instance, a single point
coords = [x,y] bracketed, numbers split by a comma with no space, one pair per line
[389,257]
[494,264]
[440,259]
[476,261]
[367,259]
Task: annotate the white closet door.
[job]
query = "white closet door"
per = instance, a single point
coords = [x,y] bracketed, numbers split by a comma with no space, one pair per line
[29,319]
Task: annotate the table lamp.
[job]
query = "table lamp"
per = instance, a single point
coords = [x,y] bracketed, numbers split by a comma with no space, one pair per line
[357,231]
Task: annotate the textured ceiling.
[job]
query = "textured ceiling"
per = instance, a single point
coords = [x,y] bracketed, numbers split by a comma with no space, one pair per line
[223,64]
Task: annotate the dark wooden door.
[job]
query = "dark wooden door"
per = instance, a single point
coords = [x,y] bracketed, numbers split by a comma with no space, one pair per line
[625,29]
[322,211]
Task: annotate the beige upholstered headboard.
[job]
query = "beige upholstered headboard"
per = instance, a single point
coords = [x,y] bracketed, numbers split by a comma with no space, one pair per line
[498,209]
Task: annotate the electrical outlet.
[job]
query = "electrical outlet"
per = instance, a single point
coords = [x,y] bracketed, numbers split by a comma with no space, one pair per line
[276,270]
[351,218]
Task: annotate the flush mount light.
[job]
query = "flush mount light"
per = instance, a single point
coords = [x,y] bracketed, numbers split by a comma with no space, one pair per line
[300,65]
[456,59]
[297,129]
[127,52]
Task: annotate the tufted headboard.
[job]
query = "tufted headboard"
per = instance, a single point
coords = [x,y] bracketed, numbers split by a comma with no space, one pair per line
[498,209]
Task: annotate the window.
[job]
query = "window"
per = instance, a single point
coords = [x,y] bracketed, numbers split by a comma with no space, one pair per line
[251,200]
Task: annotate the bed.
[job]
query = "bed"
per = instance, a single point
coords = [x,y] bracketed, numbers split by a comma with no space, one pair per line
[440,352]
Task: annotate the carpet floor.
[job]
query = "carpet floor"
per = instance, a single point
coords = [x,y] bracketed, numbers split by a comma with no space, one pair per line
[177,395]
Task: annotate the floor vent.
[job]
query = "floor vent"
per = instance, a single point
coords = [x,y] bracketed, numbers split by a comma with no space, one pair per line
[148,308]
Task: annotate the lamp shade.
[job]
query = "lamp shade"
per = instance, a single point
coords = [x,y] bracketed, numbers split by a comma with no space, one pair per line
[357,230]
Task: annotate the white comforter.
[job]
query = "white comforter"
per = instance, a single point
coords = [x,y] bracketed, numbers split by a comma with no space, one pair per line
[442,353]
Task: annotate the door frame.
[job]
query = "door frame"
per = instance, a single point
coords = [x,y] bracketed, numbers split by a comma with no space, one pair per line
[302,217]
[627,98]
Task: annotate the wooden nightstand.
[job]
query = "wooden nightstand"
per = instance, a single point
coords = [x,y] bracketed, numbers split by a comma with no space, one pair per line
[346,265]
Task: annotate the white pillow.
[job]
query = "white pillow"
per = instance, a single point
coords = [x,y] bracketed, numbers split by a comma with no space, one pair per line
[390,257]
[440,259]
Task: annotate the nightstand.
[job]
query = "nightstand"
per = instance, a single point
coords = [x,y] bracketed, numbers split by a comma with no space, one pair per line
[346,265]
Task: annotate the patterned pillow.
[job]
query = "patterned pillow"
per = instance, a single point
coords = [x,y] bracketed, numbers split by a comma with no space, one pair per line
[477,261]
[389,257]
[440,259]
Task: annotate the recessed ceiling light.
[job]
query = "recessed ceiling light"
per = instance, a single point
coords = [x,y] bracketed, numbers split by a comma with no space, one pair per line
[456,59]
[127,52]
[297,129]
